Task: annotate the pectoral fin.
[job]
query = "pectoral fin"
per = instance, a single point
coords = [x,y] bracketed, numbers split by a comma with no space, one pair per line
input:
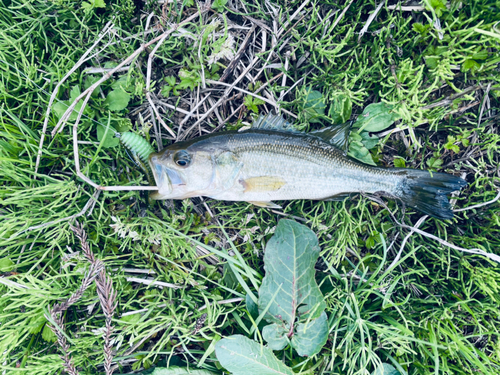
[265,204]
[226,170]
[262,184]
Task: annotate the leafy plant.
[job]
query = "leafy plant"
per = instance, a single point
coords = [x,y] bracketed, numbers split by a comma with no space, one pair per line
[314,105]
[432,312]
[399,162]
[219,5]
[242,356]
[117,100]
[289,295]
[189,79]
[61,106]
[252,102]
[341,109]
[375,118]
[435,162]
[170,86]
[106,135]
[289,299]
[90,5]
[6,265]
[450,145]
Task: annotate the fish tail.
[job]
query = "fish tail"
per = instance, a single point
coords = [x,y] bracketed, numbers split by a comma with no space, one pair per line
[428,191]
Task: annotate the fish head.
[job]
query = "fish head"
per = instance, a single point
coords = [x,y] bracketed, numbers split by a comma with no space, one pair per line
[182,171]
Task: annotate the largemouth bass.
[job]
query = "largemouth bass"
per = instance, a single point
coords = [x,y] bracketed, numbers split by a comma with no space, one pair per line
[272,162]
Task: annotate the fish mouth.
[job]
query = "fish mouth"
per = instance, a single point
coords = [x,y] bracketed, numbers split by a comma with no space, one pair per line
[166,179]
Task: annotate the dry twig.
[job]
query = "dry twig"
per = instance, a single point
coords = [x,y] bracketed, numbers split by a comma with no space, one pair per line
[476,251]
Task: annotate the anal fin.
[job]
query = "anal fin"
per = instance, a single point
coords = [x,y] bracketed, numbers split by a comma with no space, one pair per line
[265,204]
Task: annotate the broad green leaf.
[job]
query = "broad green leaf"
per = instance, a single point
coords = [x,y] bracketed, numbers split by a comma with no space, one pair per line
[126,83]
[276,336]
[310,336]
[88,6]
[370,242]
[6,265]
[480,55]
[117,100]
[176,370]
[37,326]
[314,105]
[385,369]
[399,162]
[110,64]
[289,262]
[358,151]
[61,106]
[170,80]
[74,93]
[420,28]
[108,139]
[471,65]
[376,117]
[432,62]
[368,141]
[341,109]
[252,307]
[242,356]
[89,81]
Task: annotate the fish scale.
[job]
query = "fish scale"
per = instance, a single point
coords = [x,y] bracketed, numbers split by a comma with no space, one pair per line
[312,169]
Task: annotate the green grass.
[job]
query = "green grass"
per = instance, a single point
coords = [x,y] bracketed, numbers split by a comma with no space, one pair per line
[436,312]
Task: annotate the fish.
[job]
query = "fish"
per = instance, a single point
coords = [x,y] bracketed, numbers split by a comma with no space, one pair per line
[272,161]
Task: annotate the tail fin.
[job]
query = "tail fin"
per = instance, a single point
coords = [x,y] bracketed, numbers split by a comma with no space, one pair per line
[428,191]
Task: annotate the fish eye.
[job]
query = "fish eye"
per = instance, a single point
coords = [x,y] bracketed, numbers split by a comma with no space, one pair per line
[182,158]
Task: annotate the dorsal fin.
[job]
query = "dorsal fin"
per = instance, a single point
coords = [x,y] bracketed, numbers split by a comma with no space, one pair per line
[336,135]
[273,122]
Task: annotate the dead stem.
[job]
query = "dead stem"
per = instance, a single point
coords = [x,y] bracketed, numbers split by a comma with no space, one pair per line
[476,251]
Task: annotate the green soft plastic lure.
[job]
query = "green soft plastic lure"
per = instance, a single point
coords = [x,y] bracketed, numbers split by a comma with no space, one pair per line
[140,150]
